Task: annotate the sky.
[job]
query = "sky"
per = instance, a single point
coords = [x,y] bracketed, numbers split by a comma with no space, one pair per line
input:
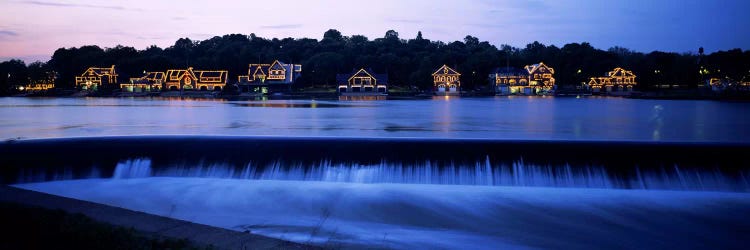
[33,30]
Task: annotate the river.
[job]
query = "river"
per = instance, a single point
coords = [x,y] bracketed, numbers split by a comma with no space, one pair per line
[402,174]
[526,118]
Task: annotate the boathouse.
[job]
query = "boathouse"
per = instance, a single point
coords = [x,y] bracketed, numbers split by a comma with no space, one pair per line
[149,82]
[211,79]
[446,81]
[362,82]
[94,77]
[535,79]
[189,79]
[617,82]
[264,78]
[39,84]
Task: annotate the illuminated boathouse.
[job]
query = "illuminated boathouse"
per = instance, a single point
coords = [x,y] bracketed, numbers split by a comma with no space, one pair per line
[617,82]
[268,78]
[39,84]
[149,82]
[94,77]
[189,79]
[363,82]
[446,81]
[535,79]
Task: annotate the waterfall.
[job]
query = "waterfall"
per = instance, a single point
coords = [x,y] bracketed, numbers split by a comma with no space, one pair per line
[133,168]
[482,172]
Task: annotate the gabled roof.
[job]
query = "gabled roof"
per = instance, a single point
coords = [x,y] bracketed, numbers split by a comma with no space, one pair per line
[94,71]
[277,65]
[154,75]
[178,74]
[598,80]
[212,76]
[259,71]
[539,67]
[210,73]
[149,77]
[445,70]
[620,72]
[382,79]
[361,73]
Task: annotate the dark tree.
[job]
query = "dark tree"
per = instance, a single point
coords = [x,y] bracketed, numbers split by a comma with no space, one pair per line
[409,63]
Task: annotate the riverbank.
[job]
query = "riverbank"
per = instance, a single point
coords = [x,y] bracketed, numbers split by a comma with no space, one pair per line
[662,94]
[30,227]
[119,224]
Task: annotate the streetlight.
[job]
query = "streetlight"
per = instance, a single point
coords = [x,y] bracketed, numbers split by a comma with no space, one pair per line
[473,75]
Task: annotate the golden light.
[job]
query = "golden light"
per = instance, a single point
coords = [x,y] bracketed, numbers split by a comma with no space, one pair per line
[619,77]
[535,78]
[94,75]
[363,82]
[446,79]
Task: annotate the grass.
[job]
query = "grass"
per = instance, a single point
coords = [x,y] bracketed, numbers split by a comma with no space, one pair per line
[25,227]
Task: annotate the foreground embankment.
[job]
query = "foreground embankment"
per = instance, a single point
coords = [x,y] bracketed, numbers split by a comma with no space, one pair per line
[169,232]
[428,216]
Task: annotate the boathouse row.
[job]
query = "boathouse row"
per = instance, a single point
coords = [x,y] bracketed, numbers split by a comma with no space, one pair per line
[538,79]
[277,76]
[261,78]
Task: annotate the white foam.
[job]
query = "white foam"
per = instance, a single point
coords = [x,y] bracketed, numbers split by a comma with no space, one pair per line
[482,173]
[408,216]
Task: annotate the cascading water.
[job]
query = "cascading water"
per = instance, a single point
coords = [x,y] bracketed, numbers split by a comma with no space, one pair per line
[481,173]
[135,168]
[426,202]
[418,216]
[41,175]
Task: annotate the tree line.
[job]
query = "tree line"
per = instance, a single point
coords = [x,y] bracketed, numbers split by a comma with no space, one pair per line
[408,62]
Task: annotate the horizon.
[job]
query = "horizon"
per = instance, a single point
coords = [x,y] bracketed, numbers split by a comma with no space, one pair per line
[65,24]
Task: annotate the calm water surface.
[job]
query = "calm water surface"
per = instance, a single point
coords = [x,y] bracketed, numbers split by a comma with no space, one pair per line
[531,118]
[340,206]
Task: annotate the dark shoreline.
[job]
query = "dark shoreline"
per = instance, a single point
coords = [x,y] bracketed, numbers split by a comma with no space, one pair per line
[158,232]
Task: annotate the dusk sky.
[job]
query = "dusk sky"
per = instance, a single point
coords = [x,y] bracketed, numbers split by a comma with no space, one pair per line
[33,30]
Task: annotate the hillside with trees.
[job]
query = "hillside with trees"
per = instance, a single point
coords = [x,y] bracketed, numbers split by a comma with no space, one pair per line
[409,62]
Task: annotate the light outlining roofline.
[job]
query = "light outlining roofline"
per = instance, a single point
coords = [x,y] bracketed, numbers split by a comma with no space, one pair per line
[445,67]
[363,70]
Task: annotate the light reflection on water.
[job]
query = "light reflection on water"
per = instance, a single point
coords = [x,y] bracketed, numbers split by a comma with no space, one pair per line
[532,118]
